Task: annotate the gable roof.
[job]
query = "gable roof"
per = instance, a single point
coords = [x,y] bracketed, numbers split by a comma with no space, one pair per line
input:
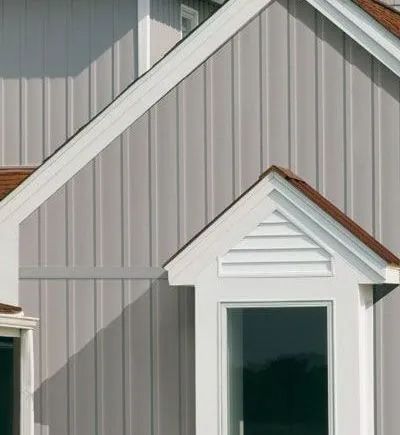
[321,202]
[88,142]
[387,16]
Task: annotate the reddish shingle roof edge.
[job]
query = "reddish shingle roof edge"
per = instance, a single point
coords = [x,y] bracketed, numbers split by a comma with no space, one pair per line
[323,203]
[12,177]
[9,309]
[387,16]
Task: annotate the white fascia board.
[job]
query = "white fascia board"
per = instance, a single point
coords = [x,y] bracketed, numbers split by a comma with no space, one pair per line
[128,107]
[364,29]
[370,263]
[241,218]
[254,206]
[18,321]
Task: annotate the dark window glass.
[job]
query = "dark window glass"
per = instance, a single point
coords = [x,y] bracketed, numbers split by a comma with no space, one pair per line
[9,400]
[278,374]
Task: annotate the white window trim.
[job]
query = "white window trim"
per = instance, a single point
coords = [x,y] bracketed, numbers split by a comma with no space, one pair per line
[20,326]
[352,353]
[223,357]
[191,14]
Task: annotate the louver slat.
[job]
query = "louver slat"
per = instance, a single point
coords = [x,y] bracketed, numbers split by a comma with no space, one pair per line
[276,247]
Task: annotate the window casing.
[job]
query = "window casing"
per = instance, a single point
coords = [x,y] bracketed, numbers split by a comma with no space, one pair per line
[189,20]
[16,336]
[278,368]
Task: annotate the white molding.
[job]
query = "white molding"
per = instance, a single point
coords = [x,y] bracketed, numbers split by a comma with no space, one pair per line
[9,332]
[223,350]
[355,248]
[364,29]
[144,35]
[21,326]
[277,247]
[18,321]
[351,342]
[27,384]
[271,193]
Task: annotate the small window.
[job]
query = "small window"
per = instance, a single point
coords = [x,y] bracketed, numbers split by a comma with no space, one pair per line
[9,385]
[189,20]
[278,370]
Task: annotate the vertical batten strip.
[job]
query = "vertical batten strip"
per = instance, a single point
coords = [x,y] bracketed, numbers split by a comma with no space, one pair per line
[376,155]
[236,92]
[320,104]
[292,84]
[348,113]
[264,112]
[209,143]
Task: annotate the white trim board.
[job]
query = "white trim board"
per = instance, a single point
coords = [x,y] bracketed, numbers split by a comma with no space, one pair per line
[273,193]
[164,76]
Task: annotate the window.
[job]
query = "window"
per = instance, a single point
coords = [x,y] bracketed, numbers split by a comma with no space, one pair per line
[16,372]
[9,385]
[278,370]
[189,20]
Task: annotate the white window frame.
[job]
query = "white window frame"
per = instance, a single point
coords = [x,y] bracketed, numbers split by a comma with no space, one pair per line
[190,14]
[351,345]
[22,327]
[223,356]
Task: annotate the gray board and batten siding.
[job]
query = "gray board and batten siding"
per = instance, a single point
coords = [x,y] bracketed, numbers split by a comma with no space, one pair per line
[116,355]
[63,61]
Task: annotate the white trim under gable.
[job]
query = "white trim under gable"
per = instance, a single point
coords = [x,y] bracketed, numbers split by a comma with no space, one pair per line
[164,76]
[364,29]
[275,193]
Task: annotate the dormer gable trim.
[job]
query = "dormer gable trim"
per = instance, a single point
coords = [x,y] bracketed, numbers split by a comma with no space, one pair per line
[279,188]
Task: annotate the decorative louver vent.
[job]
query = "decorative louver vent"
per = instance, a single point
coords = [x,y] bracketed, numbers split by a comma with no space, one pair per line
[276,247]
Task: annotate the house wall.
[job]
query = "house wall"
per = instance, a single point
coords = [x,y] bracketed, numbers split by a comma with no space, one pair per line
[116,355]
[61,62]
[166,22]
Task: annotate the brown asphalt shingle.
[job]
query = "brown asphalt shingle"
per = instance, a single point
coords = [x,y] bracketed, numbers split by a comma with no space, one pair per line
[11,177]
[384,14]
[9,309]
